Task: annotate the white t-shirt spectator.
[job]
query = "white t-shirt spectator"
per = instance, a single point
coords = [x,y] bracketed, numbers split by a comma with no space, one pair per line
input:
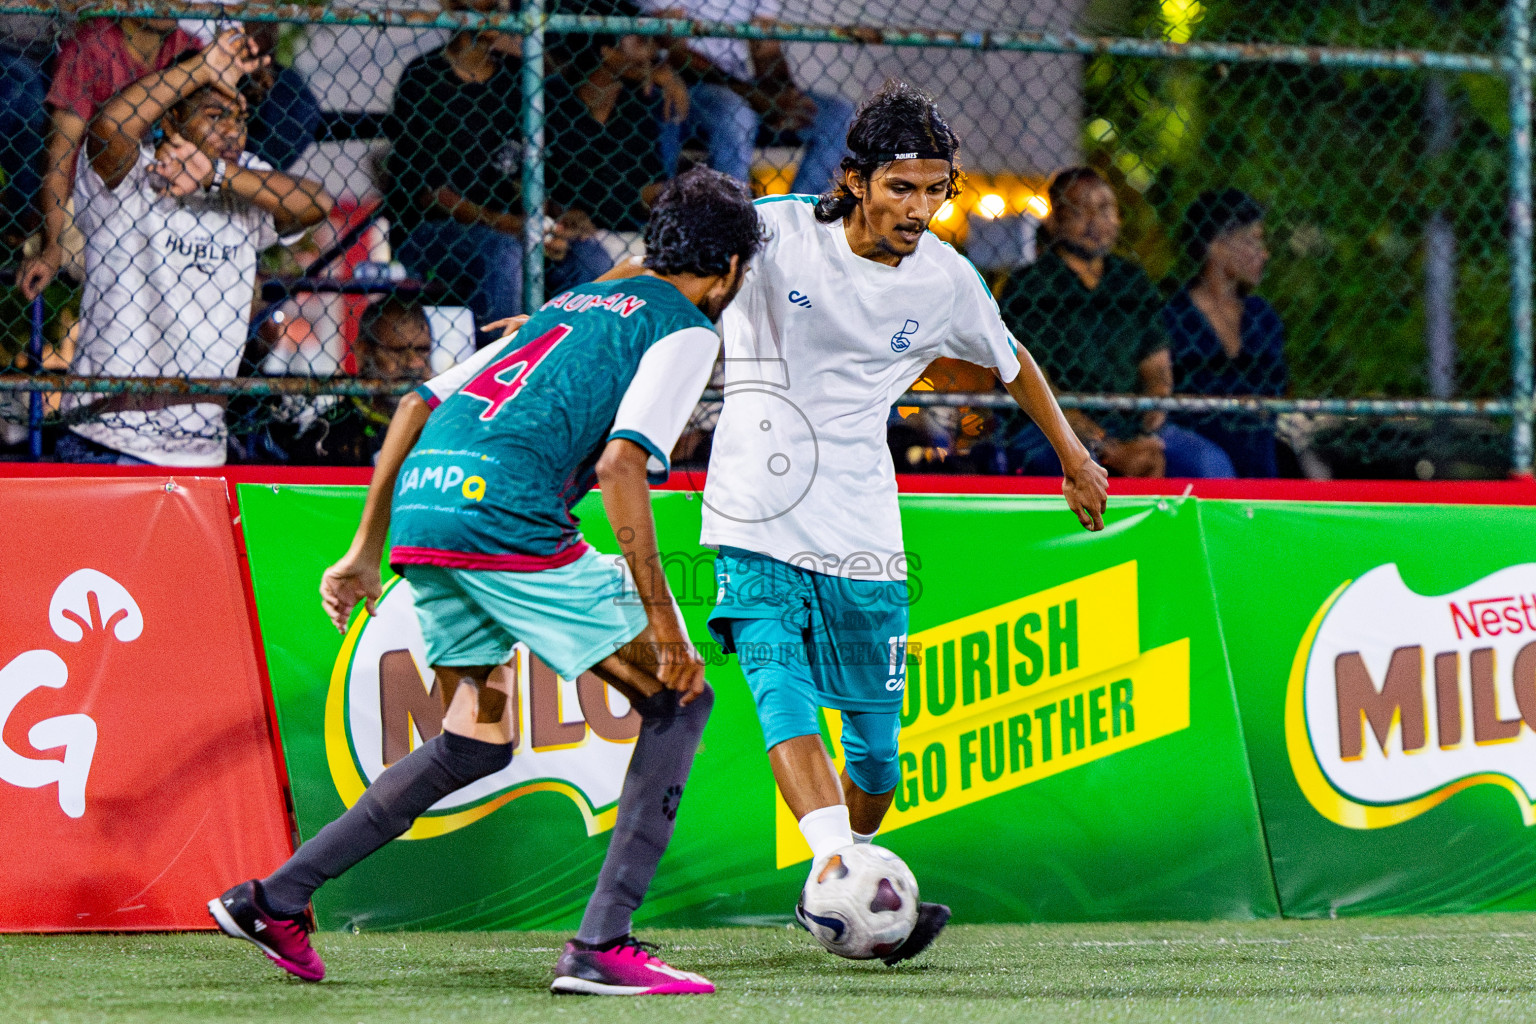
[168,288]
[729,55]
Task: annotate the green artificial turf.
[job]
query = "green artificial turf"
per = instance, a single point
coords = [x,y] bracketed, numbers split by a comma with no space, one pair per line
[1455,969]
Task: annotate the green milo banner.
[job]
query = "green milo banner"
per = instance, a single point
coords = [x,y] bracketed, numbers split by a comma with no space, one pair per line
[1071,747]
[1385,664]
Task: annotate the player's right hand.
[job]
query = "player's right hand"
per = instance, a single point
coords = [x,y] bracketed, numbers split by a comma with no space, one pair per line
[679,665]
[1086,489]
[346,583]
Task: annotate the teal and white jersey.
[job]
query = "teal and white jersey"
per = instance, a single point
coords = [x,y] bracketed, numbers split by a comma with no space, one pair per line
[515,432]
[818,345]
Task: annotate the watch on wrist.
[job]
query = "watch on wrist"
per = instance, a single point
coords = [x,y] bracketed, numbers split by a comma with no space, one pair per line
[219,169]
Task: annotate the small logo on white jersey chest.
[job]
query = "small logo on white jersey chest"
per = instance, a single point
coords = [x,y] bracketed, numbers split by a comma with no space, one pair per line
[902,339]
[800,299]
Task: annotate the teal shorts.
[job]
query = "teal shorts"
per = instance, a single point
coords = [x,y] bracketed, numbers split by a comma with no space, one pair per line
[572,617]
[851,635]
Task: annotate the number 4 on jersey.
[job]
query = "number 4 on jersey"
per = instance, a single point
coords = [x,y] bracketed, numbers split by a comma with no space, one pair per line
[500,382]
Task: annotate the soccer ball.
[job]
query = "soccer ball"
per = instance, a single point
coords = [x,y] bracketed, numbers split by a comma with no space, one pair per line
[860,903]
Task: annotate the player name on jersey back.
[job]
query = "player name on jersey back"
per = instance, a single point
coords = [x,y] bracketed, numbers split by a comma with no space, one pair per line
[516,431]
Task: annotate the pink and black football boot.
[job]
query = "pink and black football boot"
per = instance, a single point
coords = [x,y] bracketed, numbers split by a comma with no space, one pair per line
[626,967]
[284,940]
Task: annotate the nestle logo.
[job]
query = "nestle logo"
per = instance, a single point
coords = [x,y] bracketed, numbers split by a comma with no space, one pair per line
[1495,616]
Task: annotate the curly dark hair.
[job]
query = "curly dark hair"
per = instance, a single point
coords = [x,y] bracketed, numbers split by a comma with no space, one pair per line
[896,120]
[700,220]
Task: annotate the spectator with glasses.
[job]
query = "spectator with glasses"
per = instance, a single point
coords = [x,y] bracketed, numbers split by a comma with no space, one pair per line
[173,226]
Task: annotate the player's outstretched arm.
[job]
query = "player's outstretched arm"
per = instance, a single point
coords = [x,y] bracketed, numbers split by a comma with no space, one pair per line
[627,500]
[356,577]
[1085,484]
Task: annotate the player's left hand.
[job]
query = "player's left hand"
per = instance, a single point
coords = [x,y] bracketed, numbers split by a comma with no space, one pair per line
[508,327]
[1086,488]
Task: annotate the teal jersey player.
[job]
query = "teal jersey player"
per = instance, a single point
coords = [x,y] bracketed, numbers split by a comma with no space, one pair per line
[477,478]
[516,431]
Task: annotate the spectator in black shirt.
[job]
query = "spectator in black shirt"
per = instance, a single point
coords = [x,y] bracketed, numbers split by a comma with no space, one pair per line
[606,109]
[455,175]
[1225,339]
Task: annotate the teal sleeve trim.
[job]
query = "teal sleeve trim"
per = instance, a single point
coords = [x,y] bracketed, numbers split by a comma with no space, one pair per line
[427,396]
[650,446]
[793,196]
[979,279]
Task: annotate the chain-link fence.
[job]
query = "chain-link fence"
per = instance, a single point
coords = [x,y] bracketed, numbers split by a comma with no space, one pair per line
[1293,239]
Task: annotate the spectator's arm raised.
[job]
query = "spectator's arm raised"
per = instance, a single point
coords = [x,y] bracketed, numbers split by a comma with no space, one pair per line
[118,129]
[204,116]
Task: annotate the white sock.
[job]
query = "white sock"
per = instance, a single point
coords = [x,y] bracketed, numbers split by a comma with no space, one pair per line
[860,837]
[827,830]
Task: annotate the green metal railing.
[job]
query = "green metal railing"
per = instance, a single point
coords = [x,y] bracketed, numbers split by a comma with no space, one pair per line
[1513,65]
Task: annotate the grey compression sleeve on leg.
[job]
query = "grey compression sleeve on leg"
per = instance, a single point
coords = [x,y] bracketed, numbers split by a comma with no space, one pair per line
[658,769]
[399,796]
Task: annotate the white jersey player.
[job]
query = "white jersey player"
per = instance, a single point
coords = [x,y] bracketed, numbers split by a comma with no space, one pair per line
[846,305]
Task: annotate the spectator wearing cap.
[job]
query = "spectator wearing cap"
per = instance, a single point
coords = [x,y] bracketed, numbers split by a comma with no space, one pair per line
[1224,339]
[1091,320]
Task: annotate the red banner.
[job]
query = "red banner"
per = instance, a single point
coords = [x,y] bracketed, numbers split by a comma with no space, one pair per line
[138,777]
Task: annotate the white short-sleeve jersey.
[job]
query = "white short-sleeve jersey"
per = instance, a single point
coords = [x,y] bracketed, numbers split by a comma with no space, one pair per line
[818,346]
[168,288]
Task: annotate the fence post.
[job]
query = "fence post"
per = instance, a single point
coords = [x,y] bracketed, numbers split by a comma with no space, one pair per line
[1518,13]
[533,154]
[35,399]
